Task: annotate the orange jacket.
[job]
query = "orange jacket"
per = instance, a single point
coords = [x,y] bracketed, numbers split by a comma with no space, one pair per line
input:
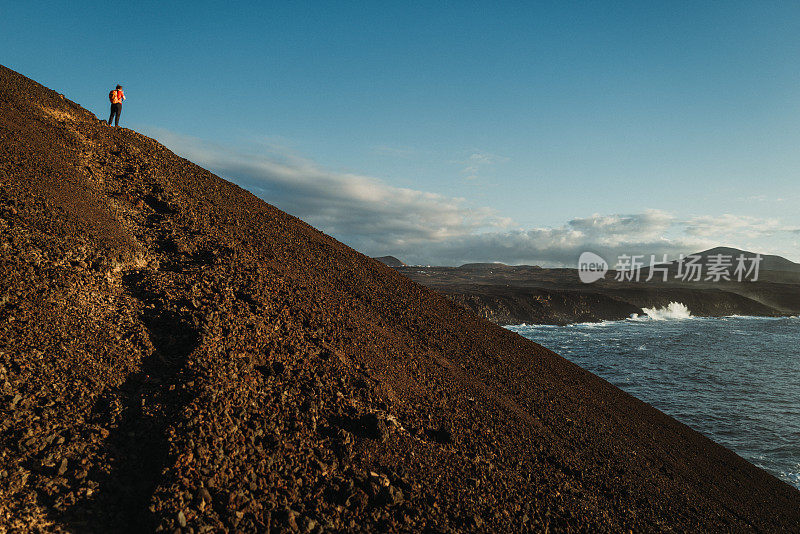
[117,96]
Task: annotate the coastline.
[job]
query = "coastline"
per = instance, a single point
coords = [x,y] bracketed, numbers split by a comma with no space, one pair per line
[647,317]
[525,294]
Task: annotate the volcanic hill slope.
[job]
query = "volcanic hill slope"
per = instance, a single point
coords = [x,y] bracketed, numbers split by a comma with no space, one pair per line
[176,354]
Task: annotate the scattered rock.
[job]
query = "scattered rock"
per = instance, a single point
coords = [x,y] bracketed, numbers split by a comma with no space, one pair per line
[374,426]
[392,495]
[307,525]
[203,496]
[288,518]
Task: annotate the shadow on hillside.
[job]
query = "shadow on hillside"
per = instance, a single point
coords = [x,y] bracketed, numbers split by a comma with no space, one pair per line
[138,414]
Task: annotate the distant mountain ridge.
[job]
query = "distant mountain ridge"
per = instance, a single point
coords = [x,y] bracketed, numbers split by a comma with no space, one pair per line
[484,265]
[776,268]
[391,261]
[527,294]
[495,266]
[769,262]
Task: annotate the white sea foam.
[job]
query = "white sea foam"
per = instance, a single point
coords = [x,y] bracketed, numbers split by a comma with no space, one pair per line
[670,312]
[592,324]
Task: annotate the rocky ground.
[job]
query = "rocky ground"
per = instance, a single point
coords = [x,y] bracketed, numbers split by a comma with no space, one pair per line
[177,355]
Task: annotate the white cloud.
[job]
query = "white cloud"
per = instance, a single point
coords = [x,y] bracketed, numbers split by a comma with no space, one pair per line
[726,224]
[477,162]
[607,235]
[652,232]
[427,228]
[761,198]
[362,211]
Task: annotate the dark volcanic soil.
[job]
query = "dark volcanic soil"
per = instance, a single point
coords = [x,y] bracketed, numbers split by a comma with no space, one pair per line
[176,354]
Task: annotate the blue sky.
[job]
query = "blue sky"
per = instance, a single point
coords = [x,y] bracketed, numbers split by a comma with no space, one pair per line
[446,132]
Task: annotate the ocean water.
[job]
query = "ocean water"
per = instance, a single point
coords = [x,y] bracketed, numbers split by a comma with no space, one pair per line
[735,379]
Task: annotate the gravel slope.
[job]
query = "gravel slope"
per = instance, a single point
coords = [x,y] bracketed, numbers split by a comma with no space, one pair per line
[176,354]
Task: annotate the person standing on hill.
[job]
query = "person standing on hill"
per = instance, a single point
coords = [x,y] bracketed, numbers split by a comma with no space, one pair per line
[116,97]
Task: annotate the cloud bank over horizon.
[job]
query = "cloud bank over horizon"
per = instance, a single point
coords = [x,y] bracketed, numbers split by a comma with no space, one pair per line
[427,228]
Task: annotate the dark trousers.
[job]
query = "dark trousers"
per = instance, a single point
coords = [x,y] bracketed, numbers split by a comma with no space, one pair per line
[116,111]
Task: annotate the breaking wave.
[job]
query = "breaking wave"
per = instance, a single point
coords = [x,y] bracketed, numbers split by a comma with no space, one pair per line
[670,312]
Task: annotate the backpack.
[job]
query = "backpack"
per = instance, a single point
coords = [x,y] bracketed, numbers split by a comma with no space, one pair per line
[114,97]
